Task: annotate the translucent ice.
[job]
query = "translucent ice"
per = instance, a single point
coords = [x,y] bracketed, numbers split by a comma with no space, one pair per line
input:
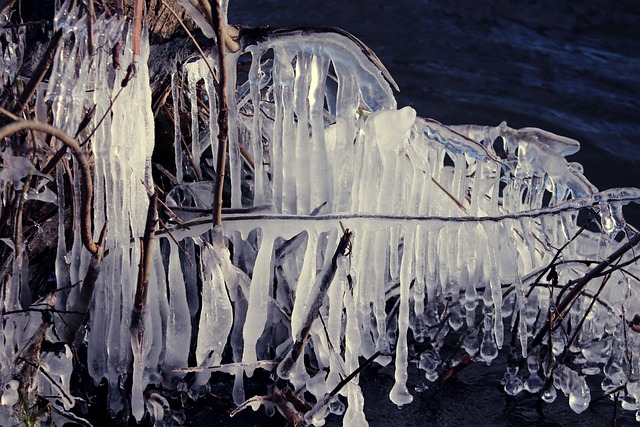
[466,230]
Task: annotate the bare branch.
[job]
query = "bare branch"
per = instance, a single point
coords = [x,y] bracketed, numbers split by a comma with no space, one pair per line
[86,183]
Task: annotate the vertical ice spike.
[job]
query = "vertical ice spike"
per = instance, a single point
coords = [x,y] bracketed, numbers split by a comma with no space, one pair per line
[305,282]
[399,393]
[301,143]
[178,333]
[259,294]
[260,185]
[235,158]
[216,314]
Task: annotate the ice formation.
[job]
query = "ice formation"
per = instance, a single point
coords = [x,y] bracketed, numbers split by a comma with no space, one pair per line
[469,231]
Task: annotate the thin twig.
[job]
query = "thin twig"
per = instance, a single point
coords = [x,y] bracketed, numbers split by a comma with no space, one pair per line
[86,183]
[582,282]
[193,39]
[137,314]
[323,280]
[90,20]
[39,72]
[223,116]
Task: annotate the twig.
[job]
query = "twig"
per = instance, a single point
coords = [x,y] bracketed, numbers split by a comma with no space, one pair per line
[137,313]
[86,183]
[324,279]
[223,116]
[51,164]
[557,255]
[353,374]
[39,72]
[138,8]
[582,282]
[91,19]
[193,39]
[119,8]
[6,4]
[229,367]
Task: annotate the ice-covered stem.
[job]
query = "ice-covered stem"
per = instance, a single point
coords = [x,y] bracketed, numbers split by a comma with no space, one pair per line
[324,279]
[322,403]
[145,263]
[86,183]
[223,114]
[579,284]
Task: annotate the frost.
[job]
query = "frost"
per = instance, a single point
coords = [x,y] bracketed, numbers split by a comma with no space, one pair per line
[474,231]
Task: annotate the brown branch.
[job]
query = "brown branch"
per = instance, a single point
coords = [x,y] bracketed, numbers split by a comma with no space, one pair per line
[5,5]
[146,257]
[223,116]
[582,282]
[51,164]
[39,72]
[86,183]
[324,279]
[91,19]
[138,8]
[193,39]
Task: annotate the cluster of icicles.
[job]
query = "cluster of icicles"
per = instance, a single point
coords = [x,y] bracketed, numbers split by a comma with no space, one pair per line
[451,226]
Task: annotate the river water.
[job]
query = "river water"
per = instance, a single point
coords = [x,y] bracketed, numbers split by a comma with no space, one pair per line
[572,68]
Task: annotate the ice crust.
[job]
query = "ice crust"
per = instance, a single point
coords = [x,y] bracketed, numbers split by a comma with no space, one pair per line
[452,227]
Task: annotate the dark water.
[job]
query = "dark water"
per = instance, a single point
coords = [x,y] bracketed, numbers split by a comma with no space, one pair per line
[569,67]
[572,68]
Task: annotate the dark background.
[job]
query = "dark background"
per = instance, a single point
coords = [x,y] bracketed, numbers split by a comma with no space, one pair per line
[572,68]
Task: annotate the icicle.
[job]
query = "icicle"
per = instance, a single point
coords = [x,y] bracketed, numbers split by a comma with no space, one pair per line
[345,134]
[261,194]
[378,278]
[283,158]
[258,299]
[419,287]
[320,170]
[495,231]
[302,144]
[399,393]
[177,132]
[193,78]
[216,314]
[178,334]
[305,283]
[235,159]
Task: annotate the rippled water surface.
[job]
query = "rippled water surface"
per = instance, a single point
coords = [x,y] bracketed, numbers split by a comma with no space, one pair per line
[569,67]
